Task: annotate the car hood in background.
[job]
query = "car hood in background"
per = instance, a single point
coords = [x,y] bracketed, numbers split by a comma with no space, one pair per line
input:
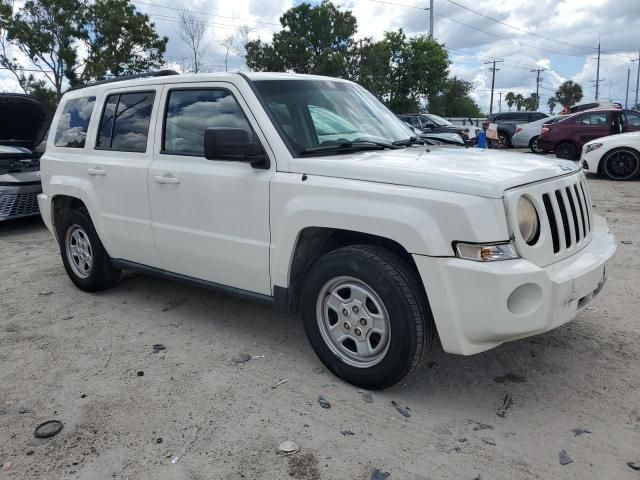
[473,171]
[24,120]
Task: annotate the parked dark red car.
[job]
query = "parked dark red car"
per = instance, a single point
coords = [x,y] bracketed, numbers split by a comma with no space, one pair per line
[567,137]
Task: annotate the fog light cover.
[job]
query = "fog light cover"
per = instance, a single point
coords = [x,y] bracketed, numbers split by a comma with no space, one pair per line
[488,252]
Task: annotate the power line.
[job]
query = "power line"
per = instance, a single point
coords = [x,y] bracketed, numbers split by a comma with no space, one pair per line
[519,28]
[203,13]
[493,70]
[507,38]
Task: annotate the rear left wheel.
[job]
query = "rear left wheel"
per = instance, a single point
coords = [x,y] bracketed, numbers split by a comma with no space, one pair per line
[366,316]
[85,259]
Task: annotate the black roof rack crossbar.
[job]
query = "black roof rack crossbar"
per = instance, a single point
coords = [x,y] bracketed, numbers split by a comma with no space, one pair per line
[159,73]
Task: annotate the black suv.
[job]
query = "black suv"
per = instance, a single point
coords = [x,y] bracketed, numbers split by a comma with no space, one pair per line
[507,122]
[430,123]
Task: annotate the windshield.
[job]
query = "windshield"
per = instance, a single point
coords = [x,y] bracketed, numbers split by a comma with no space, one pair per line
[438,120]
[319,115]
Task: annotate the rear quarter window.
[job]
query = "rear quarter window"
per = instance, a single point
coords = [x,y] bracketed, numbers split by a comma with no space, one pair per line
[71,131]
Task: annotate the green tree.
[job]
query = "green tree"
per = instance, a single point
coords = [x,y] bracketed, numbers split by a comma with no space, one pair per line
[116,37]
[531,102]
[401,71]
[569,93]
[510,97]
[551,103]
[313,39]
[454,100]
[519,101]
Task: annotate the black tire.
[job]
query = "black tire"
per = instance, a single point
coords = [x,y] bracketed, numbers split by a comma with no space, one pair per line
[566,151]
[503,140]
[533,145]
[102,274]
[621,164]
[398,287]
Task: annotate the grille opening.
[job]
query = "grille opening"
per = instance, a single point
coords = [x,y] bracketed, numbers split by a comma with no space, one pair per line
[552,222]
[586,204]
[565,219]
[582,211]
[574,213]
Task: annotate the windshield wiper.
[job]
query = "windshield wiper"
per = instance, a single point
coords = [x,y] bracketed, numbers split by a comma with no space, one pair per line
[409,141]
[350,146]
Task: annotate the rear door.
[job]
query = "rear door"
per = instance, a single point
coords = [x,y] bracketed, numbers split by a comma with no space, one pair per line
[589,126]
[210,217]
[117,171]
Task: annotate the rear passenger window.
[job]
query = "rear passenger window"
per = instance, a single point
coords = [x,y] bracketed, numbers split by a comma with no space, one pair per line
[593,119]
[74,121]
[191,112]
[125,122]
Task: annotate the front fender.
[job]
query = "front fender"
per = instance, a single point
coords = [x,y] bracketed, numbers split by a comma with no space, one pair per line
[423,221]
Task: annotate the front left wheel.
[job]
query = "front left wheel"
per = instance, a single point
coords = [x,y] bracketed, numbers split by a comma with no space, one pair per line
[366,315]
[621,164]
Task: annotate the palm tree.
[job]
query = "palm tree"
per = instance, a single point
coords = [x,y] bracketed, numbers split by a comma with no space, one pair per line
[510,98]
[551,103]
[569,93]
[519,99]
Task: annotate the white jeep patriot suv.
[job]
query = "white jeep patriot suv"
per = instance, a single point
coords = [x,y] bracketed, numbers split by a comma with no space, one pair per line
[306,193]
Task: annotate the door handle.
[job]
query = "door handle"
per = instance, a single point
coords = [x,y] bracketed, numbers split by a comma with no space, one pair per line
[168,178]
[96,171]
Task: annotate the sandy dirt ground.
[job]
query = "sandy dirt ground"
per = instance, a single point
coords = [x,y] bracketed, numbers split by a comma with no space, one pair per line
[76,357]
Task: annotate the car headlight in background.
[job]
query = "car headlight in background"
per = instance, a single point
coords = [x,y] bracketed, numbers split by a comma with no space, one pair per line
[486,252]
[528,220]
[592,146]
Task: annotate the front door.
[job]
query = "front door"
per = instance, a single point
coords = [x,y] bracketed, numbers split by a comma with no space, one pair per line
[210,218]
[631,121]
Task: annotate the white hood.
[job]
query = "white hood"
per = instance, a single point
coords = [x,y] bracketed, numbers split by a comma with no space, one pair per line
[486,173]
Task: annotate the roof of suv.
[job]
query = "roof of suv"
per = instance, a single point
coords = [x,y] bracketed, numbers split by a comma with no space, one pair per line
[194,78]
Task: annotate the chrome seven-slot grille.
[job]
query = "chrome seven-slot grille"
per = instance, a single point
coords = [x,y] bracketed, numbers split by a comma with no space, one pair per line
[569,214]
[564,210]
[18,204]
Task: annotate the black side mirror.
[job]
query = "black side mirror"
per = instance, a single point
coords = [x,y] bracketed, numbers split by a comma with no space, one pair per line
[233,144]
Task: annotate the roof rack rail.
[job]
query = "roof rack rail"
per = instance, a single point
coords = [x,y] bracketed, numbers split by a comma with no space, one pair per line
[158,73]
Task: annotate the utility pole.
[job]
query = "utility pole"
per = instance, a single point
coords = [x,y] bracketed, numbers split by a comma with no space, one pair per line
[500,101]
[626,95]
[493,70]
[430,19]
[598,71]
[538,71]
[637,81]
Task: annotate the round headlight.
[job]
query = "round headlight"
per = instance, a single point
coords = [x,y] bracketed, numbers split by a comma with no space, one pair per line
[528,221]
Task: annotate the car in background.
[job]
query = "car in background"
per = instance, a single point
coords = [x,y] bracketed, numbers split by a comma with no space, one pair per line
[430,123]
[438,138]
[617,156]
[24,124]
[590,106]
[507,122]
[566,138]
[527,134]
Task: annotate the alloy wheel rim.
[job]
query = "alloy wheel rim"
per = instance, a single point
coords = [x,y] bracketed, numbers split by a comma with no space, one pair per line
[79,251]
[353,322]
[622,165]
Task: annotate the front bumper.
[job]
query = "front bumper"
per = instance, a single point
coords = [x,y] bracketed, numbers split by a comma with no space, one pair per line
[591,161]
[18,192]
[477,306]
